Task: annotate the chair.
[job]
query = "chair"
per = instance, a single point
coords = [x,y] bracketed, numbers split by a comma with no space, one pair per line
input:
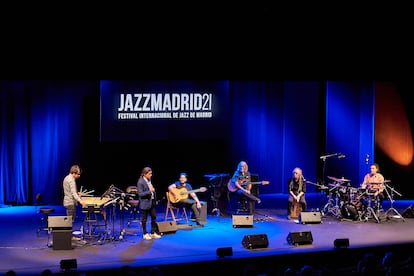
[174,211]
[134,203]
[45,212]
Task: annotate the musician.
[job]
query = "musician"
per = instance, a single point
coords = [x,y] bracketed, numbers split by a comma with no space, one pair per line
[297,190]
[147,203]
[71,197]
[193,204]
[373,183]
[241,179]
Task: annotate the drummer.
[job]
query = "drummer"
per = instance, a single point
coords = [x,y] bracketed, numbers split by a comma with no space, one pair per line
[373,184]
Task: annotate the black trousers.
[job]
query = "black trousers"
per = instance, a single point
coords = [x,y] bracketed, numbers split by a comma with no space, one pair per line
[152,212]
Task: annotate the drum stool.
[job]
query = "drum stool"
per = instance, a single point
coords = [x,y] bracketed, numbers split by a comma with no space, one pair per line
[44,219]
[133,211]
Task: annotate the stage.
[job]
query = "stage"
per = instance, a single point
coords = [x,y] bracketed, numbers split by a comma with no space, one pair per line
[28,253]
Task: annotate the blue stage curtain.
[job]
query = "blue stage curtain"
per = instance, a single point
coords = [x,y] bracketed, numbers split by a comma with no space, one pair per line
[14,169]
[275,129]
[41,131]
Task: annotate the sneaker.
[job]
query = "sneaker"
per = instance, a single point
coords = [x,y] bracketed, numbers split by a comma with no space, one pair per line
[155,236]
[147,237]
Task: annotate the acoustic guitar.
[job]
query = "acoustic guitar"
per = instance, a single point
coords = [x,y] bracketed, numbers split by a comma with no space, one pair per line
[182,193]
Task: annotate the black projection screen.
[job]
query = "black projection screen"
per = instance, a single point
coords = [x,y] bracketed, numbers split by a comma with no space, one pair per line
[137,111]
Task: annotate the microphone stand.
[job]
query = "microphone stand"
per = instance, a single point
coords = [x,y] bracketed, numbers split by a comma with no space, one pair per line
[390,196]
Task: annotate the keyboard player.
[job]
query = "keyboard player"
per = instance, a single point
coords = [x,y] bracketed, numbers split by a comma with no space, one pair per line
[71,196]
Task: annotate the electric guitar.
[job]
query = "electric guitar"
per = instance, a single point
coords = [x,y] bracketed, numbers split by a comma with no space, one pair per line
[182,193]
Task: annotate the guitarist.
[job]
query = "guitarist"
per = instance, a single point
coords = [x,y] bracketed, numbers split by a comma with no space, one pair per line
[241,180]
[193,204]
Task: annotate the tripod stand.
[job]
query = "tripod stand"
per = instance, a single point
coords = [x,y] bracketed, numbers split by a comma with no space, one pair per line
[369,210]
[390,196]
[332,206]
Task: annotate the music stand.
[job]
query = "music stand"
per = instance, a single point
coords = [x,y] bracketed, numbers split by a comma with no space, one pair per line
[390,196]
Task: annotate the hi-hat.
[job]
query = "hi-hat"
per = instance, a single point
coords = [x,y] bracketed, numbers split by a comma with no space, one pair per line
[338,179]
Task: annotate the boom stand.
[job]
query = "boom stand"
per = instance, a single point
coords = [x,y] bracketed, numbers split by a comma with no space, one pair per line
[392,209]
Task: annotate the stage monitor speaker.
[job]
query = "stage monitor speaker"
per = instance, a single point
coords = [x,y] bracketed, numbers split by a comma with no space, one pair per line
[59,222]
[68,264]
[224,251]
[299,238]
[242,221]
[62,239]
[310,217]
[203,212]
[408,212]
[167,227]
[341,243]
[255,241]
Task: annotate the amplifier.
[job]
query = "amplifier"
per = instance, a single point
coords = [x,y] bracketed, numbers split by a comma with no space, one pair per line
[242,221]
[62,239]
[59,222]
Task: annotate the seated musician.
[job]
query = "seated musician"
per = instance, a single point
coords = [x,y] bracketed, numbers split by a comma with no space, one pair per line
[182,200]
[297,190]
[373,184]
[240,185]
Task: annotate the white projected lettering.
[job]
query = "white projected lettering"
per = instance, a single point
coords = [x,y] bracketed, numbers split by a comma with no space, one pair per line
[164,106]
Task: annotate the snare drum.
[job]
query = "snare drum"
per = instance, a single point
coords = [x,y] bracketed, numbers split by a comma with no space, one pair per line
[356,194]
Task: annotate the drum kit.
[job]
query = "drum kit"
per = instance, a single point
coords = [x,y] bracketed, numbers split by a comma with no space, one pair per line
[349,203]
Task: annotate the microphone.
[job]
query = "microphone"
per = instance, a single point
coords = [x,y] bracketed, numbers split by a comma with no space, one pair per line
[328,155]
[366,159]
[341,155]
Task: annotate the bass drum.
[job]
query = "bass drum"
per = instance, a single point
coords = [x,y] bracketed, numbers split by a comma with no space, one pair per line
[349,211]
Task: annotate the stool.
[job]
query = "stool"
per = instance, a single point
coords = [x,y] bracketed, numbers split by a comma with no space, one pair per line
[44,219]
[133,211]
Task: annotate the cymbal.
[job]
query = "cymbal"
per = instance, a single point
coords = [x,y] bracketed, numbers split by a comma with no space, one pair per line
[338,179]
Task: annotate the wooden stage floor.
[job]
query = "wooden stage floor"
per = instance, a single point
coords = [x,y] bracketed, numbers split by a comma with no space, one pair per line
[28,253]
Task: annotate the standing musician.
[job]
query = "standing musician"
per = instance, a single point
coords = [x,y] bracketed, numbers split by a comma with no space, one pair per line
[241,182]
[183,201]
[374,184]
[147,203]
[297,190]
[71,196]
